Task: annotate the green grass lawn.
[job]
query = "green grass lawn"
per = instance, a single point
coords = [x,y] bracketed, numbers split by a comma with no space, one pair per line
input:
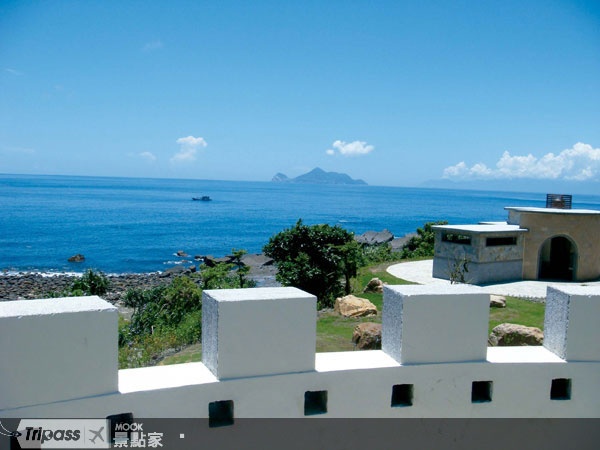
[192,353]
[334,332]
[518,310]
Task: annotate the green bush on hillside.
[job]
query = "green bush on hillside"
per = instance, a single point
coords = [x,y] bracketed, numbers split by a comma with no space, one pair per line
[170,317]
[91,283]
[421,245]
[315,258]
[163,306]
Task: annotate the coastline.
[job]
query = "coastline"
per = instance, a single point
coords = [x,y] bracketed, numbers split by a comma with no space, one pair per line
[37,285]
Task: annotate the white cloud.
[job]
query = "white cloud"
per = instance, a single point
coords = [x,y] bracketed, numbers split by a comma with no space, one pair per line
[581,162]
[192,141]
[188,148]
[152,46]
[354,148]
[148,156]
[13,71]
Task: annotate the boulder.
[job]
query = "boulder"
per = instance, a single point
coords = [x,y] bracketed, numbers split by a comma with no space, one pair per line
[180,270]
[77,258]
[512,335]
[374,237]
[352,306]
[211,261]
[375,285]
[367,336]
[399,243]
[497,301]
[182,254]
[257,260]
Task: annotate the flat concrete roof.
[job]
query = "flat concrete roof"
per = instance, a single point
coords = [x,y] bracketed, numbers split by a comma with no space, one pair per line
[481,228]
[551,210]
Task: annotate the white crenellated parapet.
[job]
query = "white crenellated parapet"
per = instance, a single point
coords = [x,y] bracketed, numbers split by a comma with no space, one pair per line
[58,359]
[435,324]
[261,331]
[571,323]
[57,349]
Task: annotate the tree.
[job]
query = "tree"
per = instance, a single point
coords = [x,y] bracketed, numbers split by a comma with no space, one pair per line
[217,276]
[241,268]
[422,244]
[352,259]
[315,259]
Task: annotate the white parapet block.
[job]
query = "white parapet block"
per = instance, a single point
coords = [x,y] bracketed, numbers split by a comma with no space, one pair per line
[571,322]
[57,349]
[435,324]
[260,331]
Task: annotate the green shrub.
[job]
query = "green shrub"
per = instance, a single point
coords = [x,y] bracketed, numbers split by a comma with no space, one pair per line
[315,259]
[90,283]
[380,253]
[163,306]
[421,245]
[170,317]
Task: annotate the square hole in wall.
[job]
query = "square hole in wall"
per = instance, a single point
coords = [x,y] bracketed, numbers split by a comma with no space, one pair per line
[402,395]
[560,389]
[121,419]
[481,391]
[315,402]
[220,414]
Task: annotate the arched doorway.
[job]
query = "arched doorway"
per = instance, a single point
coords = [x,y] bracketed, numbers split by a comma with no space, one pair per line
[558,257]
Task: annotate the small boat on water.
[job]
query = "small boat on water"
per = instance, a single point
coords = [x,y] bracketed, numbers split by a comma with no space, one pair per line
[204,198]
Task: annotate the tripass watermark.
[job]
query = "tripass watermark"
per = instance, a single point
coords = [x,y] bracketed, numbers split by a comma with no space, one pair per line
[82,434]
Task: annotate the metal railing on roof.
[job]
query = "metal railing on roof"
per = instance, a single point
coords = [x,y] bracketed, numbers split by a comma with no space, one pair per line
[560,201]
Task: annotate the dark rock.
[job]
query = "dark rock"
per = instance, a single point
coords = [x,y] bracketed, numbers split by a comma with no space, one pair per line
[367,336]
[179,271]
[211,261]
[258,260]
[399,243]
[182,254]
[77,258]
[374,237]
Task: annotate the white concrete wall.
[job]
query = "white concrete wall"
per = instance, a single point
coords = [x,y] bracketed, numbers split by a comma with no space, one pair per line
[257,316]
[571,323]
[57,349]
[358,384]
[435,324]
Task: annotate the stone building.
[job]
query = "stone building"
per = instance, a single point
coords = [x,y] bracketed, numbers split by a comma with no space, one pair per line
[533,244]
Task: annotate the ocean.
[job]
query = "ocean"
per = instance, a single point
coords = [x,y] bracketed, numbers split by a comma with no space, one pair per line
[135,225]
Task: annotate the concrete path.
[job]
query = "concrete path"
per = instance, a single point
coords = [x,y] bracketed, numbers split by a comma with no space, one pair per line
[420,272]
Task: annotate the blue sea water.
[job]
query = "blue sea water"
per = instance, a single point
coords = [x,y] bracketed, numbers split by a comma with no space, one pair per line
[133,225]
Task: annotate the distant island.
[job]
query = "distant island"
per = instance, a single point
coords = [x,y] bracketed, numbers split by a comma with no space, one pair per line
[318,176]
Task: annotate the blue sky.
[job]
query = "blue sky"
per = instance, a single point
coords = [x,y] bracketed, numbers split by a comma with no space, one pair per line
[393,92]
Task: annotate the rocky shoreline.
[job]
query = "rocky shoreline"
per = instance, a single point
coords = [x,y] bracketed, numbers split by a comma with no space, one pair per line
[32,285]
[26,286]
